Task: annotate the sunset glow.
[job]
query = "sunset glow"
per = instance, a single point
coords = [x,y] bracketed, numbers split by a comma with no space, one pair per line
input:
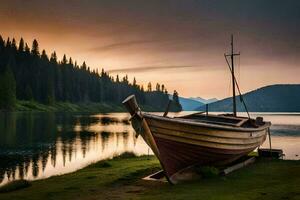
[178,43]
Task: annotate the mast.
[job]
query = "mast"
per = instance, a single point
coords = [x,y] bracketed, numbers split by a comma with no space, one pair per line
[233,79]
[234,82]
[232,54]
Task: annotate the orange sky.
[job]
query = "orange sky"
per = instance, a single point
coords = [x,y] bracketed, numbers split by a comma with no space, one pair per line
[177,43]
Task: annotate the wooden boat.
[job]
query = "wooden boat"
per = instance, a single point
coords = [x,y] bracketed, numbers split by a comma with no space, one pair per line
[197,139]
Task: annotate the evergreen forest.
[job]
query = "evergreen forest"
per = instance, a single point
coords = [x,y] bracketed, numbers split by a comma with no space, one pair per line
[30,74]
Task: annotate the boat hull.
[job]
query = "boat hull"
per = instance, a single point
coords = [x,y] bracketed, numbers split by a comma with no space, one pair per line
[181,144]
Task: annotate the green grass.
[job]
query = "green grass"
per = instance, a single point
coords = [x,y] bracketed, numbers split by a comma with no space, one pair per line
[68,107]
[208,171]
[14,185]
[120,178]
[72,107]
[274,179]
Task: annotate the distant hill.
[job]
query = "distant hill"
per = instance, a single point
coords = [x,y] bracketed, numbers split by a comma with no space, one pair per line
[204,101]
[273,98]
[188,104]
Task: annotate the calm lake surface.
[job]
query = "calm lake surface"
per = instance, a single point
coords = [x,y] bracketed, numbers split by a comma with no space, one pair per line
[40,145]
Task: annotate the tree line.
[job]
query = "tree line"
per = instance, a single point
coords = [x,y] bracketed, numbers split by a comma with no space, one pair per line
[30,74]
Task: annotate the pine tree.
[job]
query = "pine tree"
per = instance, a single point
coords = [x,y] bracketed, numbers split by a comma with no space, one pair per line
[35,48]
[13,44]
[70,61]
[21,45]
[149,87]
[28,93]
[27,49]
[134,82]
[2,43]
[163,88]
[176,102]
[7,89]
[157,87]
[75,64]
[64,60]
[53,58]
[125,79]
[8,43]
[50,93]
[175,97]
[83,66]
[44,55]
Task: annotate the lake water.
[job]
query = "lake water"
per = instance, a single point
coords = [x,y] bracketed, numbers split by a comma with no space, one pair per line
[40,145]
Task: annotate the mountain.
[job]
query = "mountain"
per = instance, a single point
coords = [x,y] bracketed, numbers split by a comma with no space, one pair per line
[272,98]
[189,104]
[204,101]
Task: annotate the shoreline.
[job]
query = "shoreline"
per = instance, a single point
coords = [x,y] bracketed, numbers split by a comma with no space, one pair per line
[92,107]
[33,106]
[120,178]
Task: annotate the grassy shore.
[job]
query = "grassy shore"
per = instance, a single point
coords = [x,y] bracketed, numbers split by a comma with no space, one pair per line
[120,178]
[71,107]
[68,107]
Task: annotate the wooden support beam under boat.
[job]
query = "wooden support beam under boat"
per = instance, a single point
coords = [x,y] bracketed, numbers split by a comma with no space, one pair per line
[237,166]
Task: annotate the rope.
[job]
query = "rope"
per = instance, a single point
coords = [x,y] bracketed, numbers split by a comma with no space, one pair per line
[237,85]
[229,86]
[239,69]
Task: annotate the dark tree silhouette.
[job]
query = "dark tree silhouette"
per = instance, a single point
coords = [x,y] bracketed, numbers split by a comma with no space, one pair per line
[149,87]
[7,89]
[176,104]
[27,74]
[21,45]
[35,48]
[28,93]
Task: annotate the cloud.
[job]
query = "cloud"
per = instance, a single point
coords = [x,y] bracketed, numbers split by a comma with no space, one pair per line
[149,68]
[122,45]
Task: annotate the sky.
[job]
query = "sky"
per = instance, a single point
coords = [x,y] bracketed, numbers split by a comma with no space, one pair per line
[179,43]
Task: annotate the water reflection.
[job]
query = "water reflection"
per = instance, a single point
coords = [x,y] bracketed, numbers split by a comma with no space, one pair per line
[39,145]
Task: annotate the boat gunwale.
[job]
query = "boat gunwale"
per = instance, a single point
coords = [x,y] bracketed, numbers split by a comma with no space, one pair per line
[212,135]
[157,129]
[206,143]
[214,126]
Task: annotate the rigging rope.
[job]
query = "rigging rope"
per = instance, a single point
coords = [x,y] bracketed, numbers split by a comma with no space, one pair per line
[237,85]
[239,69]
[229,90]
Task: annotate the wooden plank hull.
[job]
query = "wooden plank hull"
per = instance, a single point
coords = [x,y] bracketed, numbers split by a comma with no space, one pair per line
[181,145]
[196,139]
[177,156]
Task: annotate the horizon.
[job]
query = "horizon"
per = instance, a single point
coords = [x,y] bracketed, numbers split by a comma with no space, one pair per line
[187,56]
